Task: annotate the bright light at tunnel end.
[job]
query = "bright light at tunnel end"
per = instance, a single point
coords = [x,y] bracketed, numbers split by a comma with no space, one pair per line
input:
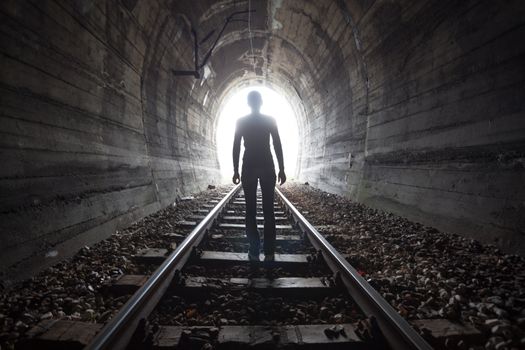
[275,105]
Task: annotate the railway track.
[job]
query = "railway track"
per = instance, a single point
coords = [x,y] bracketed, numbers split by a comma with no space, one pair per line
[206,294]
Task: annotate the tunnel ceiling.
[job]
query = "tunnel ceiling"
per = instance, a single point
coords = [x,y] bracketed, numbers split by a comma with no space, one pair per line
[295,44]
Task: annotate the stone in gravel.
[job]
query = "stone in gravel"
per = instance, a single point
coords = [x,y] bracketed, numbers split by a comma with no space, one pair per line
[449,312]
[334,332]
[502,330]
[75,316]
[89,314]
[500,312]
[462,345]
[494,300]
[21,326]
[443,294]
[104,316]
[492,322]
[191,312]
[46,316]
[27,317]
[173,235]
[323,312]
[501,346]
[338,318]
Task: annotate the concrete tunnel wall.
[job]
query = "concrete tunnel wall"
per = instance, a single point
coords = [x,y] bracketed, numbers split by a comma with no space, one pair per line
[416,107]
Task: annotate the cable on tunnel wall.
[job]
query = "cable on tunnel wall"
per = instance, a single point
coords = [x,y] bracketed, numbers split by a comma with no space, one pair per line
[250,34]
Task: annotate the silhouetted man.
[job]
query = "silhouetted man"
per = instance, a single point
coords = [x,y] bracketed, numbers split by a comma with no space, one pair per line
[257,164]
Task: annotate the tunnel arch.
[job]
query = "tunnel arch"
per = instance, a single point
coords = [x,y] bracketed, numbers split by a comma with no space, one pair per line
[296,71]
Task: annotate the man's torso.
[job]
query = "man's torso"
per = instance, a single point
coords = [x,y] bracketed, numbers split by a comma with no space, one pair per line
[256,130]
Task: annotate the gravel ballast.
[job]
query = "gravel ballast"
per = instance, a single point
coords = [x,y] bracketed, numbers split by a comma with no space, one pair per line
[75,289]
[422,272]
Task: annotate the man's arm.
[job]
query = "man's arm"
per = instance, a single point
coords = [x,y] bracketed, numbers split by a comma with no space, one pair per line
[236,153]
[278,151]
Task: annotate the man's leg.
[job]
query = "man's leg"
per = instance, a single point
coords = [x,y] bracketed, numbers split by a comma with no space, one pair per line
[249,185]
[268,190]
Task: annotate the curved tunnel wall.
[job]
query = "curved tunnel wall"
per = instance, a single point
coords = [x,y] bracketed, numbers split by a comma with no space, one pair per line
[96,132]
[416,107]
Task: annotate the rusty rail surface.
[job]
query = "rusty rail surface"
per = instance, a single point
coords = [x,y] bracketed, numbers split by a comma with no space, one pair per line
[118,332]
[395,329]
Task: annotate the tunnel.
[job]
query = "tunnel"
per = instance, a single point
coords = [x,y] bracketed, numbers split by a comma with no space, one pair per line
[402,220]
[109,110]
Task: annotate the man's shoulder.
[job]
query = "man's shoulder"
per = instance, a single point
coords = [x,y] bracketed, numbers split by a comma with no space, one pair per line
[252,119]
[268,118]
[242,120]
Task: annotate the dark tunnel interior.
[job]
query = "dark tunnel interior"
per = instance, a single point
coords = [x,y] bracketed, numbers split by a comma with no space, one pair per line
[119,230]
[412,107]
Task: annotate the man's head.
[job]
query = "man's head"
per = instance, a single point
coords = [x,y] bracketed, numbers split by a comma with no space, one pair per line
[255,100]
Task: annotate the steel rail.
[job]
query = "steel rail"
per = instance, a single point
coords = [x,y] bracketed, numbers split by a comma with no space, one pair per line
[118,332]
[397,331]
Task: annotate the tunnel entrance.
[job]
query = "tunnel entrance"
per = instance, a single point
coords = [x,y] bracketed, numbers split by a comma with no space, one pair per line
[274,104]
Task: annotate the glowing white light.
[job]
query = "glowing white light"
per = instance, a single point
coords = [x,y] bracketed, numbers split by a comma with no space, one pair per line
[273,105]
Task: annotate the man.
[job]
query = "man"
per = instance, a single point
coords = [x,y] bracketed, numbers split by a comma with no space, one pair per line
[257,164]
